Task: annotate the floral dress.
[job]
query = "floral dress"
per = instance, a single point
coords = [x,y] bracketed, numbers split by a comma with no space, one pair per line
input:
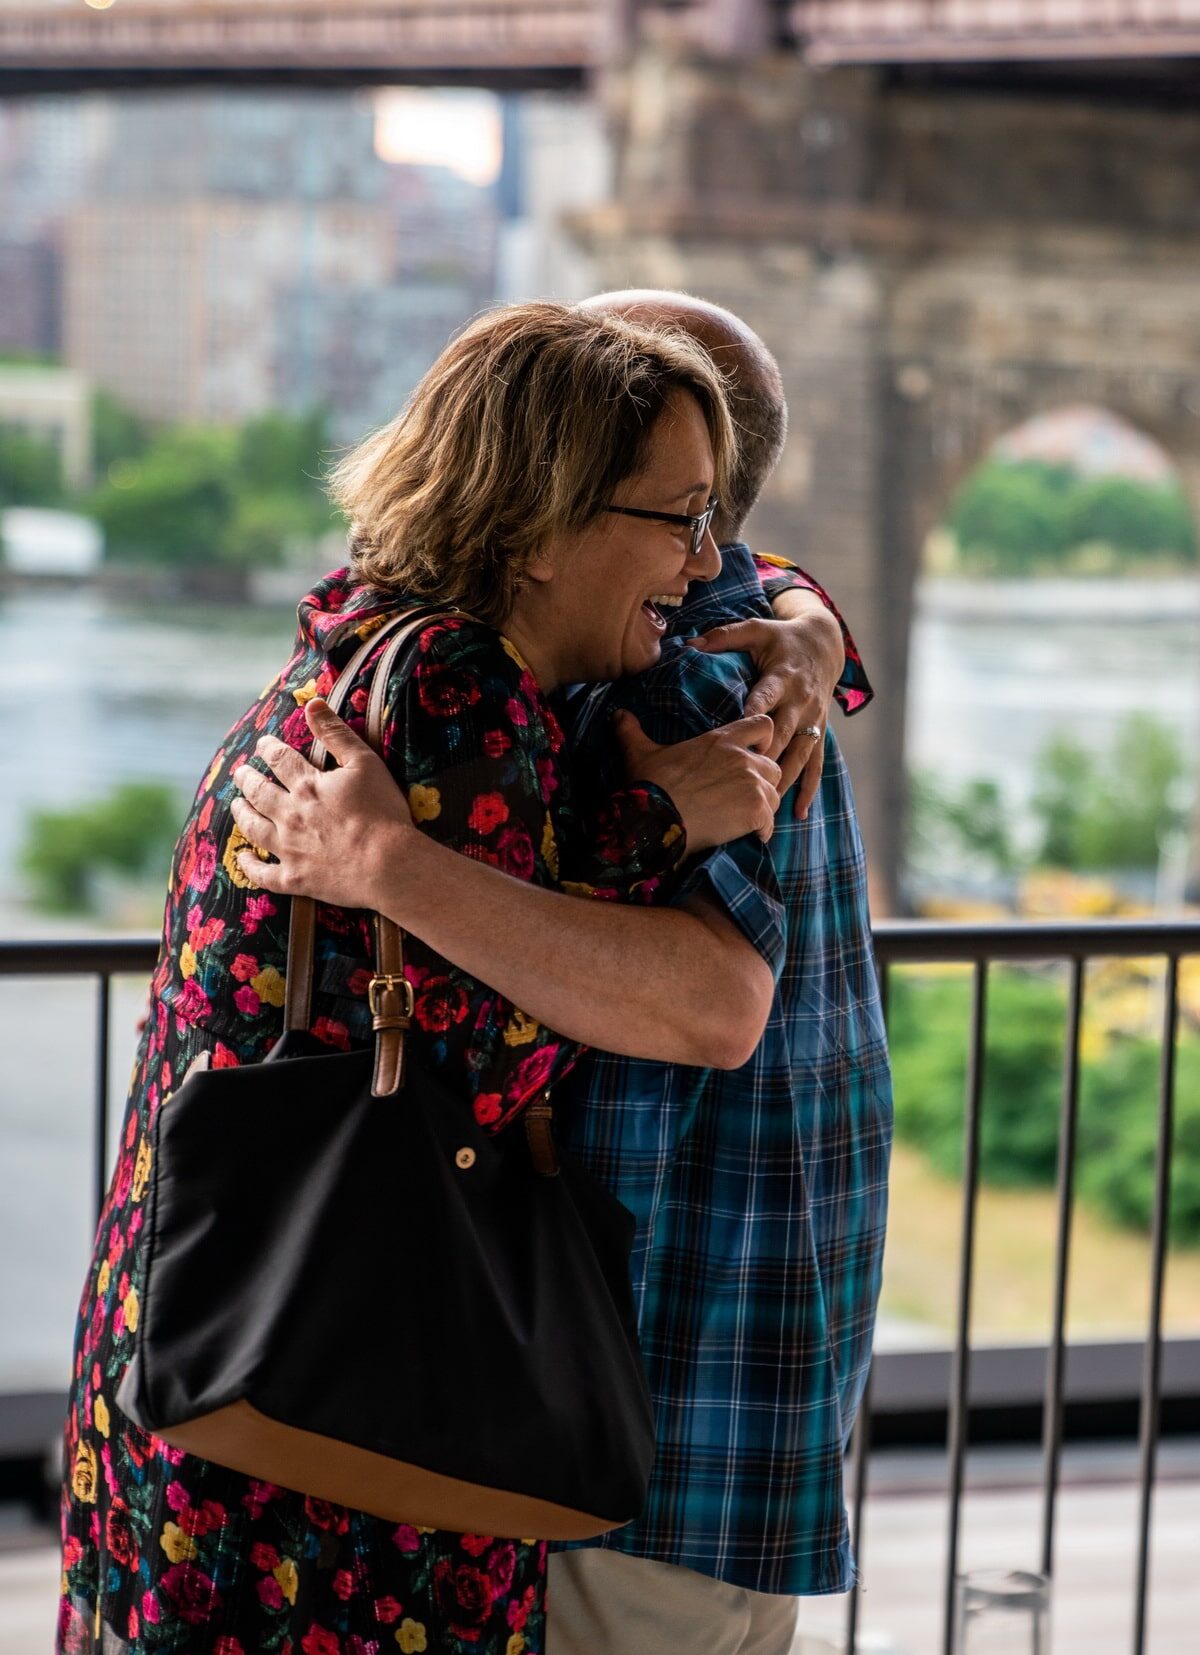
[164,1551]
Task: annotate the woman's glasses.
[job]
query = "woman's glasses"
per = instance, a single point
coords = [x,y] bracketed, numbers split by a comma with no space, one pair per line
[698,525]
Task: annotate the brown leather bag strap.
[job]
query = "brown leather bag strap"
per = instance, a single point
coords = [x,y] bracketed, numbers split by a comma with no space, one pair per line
[388,994]
[302,928]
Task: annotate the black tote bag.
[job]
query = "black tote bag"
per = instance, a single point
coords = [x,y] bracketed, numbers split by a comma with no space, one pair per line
[352,1290]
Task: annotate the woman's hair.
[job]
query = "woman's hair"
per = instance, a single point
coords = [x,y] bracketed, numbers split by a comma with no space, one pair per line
[522,429]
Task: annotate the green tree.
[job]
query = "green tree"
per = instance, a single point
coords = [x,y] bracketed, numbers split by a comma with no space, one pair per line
[131,832]
[1022,1085]
[1007,519]
[30,470]
[118,434]
[1138,519]
[175,503]
[967,825]
[1098,816]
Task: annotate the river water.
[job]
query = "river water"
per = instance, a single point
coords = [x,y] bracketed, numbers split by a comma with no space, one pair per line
[104,690]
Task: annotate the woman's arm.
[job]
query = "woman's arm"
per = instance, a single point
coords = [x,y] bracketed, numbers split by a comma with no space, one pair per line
[679,985]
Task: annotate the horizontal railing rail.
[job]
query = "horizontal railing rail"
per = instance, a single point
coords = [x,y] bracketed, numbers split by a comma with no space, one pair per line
[902,942]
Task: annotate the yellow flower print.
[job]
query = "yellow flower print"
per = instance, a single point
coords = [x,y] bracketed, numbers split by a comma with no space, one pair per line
[550,847]
[213,770]
[575,887]
[179,1547]
[424,802]
[515,1645]
[132,1309]
[410,1635]
[237,841]
[269,986]
[187,960]
[513,653]
[520,1029]
[672,833]
[287,1576]
[83,1473]
[100,1415]
[103,1279]
[305,692]
[141,1169]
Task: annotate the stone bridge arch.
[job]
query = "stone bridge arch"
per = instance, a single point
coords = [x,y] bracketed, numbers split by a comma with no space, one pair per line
[933,266]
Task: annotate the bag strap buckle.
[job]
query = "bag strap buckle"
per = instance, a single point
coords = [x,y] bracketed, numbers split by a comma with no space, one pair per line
[392,983]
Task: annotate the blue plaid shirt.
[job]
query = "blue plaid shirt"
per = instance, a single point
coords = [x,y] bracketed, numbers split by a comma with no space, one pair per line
[760,1193]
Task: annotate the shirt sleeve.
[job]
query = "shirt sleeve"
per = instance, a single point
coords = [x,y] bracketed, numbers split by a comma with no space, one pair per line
[739,876]
[479,755]
[853,690]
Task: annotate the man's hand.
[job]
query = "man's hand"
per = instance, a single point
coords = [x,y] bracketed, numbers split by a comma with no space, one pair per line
[721,783]
[800,658]
[340,835]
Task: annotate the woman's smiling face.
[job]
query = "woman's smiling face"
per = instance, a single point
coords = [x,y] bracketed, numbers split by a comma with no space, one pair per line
[598,602]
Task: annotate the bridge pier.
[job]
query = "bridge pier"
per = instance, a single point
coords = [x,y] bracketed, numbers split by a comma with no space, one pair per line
[741,182]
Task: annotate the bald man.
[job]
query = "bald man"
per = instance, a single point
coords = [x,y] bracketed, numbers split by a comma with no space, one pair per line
[760,1194]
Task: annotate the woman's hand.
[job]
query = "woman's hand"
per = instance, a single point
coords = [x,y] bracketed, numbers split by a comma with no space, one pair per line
[340,835]
[721,783]
[799,662]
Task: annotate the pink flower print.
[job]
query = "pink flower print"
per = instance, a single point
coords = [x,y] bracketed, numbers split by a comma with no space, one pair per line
[73,1634]
[295,730]
[259,1496]
[515,849]
[496,743]
[388,1610]
[501,1566]
[193,1006]
[205,865]
[228,1646]
[247,1001]
[263,1556]
[477,1544]
[150,1608]
[516,713]
[343,1584]
[547,778]
[534,1070]
[244,967]
[177,1496]
[406,1538]
[191,1593]
[257,909]
[269,1592]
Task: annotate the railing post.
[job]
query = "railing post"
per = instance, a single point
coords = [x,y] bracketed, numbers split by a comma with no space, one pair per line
[1152,1365]
[1055,1363]
[961,1368]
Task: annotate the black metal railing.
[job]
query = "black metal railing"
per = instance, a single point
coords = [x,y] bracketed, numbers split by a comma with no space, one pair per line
[896,943]
[1076,942]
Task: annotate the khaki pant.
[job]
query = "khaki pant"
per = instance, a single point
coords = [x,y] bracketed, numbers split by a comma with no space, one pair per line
[604,1603]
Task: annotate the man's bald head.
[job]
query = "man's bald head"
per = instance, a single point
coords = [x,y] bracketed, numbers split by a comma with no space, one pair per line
[753,380]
